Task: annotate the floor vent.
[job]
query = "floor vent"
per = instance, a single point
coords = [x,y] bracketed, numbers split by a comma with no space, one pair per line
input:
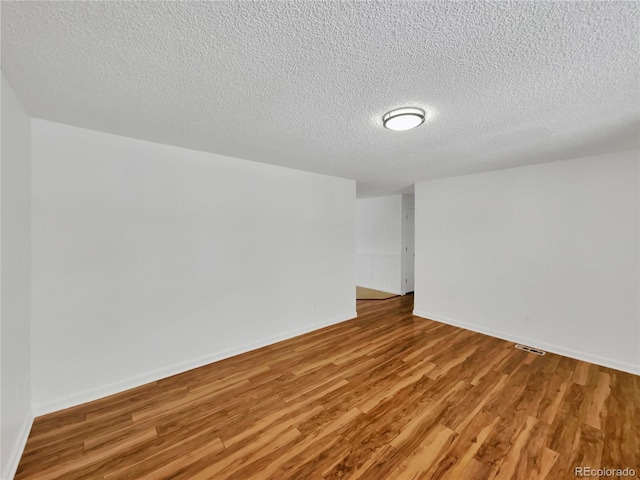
[530,349]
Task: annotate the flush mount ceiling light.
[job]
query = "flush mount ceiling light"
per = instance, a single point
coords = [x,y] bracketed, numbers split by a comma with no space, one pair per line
[403,118]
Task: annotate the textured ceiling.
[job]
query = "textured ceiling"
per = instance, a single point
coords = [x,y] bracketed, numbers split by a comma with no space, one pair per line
[304,84]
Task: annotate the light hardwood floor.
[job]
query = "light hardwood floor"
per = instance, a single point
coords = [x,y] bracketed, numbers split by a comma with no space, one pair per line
[383,396]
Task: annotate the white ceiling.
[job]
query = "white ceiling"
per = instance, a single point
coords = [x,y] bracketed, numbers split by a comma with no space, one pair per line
[304,84]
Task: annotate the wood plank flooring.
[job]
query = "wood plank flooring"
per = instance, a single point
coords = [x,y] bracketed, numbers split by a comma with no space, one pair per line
[383,396]
[363,293]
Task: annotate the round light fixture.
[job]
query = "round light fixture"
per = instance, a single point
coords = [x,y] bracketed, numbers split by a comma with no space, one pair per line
[403,118]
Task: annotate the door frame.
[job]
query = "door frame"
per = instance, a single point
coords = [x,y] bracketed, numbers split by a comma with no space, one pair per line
[405,254]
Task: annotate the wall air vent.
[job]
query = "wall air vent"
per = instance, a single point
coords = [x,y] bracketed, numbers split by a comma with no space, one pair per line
[530,349]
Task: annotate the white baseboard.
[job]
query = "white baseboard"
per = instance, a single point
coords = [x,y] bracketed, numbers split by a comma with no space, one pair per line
[133,382]
[567,352]
[11,465]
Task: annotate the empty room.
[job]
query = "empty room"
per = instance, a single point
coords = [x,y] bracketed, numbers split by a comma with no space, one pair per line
[298,240]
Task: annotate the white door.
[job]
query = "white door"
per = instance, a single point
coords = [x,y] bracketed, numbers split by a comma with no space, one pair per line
[408,254]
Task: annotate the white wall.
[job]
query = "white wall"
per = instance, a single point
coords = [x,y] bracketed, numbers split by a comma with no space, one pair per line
[149,259]
[547,255]
[15,278]
[379,243]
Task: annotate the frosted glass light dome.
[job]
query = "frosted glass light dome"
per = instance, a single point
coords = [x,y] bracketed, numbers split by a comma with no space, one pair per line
[403,118]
